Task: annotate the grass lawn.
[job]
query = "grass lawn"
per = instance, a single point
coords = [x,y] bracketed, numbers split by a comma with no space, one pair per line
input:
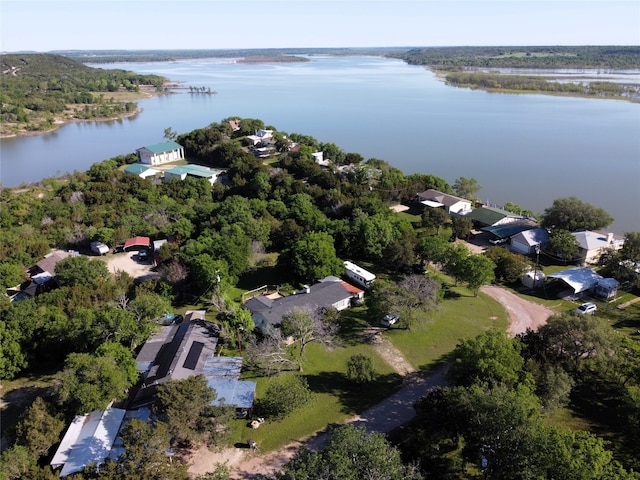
[459,316]
[18,394]
[335,399]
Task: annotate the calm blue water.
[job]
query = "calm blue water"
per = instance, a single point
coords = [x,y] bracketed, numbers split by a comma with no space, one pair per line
[527,149]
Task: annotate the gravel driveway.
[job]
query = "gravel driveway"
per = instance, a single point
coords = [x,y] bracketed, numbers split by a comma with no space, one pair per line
[523,314]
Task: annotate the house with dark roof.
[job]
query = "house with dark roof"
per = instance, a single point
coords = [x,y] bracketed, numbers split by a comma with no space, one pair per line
[267,310]
[452,204]
[175,352]
[491,217]
[160,153]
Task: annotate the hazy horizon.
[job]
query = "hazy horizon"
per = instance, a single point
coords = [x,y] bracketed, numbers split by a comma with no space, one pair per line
[51,25]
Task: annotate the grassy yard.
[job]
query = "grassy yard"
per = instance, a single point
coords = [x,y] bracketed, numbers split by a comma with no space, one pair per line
[459,316]
[335,399]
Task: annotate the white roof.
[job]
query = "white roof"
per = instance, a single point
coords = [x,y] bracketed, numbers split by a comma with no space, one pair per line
[359,270]
[431,203]
[579,279]
[88,439]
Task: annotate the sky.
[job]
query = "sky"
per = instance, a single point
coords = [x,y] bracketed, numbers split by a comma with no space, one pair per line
[47,25]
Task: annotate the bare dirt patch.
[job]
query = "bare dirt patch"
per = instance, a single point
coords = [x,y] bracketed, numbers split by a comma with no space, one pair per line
[128,262]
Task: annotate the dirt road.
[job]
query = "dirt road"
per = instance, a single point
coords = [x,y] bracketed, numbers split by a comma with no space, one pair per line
[523,314]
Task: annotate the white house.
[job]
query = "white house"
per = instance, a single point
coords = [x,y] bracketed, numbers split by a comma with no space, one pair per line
[593,244]
[141,170]
[526,242]
[452,204]
[160,153]
[261,136]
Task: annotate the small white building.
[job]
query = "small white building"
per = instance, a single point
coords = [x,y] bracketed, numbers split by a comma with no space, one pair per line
[452,204]
[160,153]
[199,171]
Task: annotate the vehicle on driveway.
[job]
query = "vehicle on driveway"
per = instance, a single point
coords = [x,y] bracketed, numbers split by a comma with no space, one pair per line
[389,319]
[586,309]
[143,255]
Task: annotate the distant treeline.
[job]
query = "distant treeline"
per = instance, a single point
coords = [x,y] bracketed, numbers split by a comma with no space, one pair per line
[577,57]
[37,87]
[494,81]
[273,54]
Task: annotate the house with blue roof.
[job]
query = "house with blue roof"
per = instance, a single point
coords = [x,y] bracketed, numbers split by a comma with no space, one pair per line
[160,153]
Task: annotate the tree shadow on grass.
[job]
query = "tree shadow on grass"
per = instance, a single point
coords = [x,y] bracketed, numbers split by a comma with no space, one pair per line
[259,276]
[354,398]
[16,401]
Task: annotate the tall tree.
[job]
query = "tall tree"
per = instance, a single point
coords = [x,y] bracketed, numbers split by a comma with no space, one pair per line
[563,244]
[491,357]
[350,454]
[477,270]
[466,187]
[573,214]
[90,382]
[185,406]
[311,258]
[306,326]
[38,429]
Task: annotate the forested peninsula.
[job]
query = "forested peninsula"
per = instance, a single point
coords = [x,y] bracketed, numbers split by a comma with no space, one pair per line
[40,92]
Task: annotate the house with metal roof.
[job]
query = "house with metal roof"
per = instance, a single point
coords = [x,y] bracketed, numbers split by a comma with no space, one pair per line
[183,171]
[267,312]
[141,170]
[526,241]
[160,153]
[593,244]
[88,440]
[492,216]
[452,204]
[175,352]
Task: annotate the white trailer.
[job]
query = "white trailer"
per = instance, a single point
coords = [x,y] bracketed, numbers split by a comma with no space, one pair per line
[99,248]
[358,274]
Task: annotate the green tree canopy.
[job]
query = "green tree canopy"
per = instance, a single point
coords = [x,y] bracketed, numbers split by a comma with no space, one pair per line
[350,454]
[90,382]
[81,270]
[311,258]
[491,357]
[184,406]
[573,214]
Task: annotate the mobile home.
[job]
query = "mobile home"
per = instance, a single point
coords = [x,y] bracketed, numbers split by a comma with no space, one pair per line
[358,274]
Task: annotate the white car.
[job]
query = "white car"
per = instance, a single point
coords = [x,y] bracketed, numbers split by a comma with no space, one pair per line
[586,309]
[389,319]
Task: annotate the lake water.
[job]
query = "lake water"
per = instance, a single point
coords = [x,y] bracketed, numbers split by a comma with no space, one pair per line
[526,149]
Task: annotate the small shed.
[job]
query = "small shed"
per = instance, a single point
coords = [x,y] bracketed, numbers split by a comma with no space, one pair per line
[533,279]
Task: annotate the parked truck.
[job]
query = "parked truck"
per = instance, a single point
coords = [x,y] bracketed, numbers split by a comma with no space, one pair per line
[99,248]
